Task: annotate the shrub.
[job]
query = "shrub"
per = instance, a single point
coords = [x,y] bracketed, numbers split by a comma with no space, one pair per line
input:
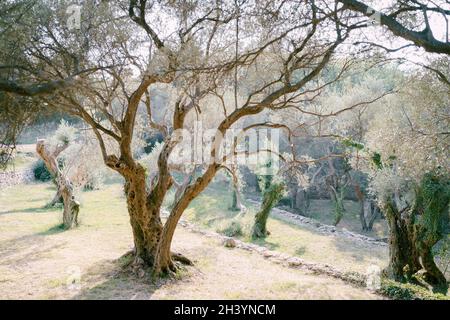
[232,229]
[41,172]
[408,291]
[93,182]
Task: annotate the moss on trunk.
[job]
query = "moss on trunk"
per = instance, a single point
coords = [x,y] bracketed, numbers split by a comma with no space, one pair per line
[271,196]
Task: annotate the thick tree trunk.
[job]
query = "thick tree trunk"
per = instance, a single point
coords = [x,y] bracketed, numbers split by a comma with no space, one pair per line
[399,247]
[164,263]
[433,275]
[362,215]
[374,213]
[403,258]
[271,196]
[71,206]
[260,226]
[338,200]
[144,211]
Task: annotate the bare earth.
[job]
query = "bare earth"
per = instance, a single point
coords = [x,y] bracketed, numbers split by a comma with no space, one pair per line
[39,261]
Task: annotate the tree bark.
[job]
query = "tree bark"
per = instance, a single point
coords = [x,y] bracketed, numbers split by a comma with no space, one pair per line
[338,200]
[415,229]
[71,206]
[164,263]
[374,213]
[400,265]
[144,218]
[271,196]
[260,226]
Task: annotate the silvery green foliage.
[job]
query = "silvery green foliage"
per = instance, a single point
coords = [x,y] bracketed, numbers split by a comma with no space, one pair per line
[83,164]
[150,162]
[408,131]
[385,182]
[138,143]
[64,134]
[411,127]
[81,160]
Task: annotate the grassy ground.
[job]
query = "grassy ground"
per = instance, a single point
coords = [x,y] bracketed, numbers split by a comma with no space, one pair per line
[211,211]
[40,260]
[322,210]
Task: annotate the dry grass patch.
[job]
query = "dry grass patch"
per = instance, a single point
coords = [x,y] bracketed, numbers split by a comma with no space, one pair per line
[38,259]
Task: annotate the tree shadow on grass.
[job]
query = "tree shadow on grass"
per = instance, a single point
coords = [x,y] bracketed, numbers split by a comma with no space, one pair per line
[360,253]
[265,243]
[300,251]
[353,252]
[53,230]
[115,281]
[41,209]
[21,251]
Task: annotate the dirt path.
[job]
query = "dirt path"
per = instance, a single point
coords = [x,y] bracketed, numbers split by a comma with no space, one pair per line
[38,260]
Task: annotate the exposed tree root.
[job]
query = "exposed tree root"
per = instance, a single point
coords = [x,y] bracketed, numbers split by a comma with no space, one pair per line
[182,259]
[130,263]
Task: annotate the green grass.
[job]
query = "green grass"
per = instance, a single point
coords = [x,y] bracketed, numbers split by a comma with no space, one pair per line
[35,256]
[103,214]
[322,210]
[407,291]
[20,162]
[210,210]
[93,212]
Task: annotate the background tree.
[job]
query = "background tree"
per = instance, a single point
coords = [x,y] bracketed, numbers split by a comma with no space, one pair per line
[407,164]
[49,153]
[113,60]
[410,20]
[273,189]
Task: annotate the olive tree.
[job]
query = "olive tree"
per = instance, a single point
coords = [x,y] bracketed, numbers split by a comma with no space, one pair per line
[408,166]
[122,49]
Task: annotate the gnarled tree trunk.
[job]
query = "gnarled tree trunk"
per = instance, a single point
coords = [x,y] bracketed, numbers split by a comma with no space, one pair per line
[65,189]
[165,258]
[143,209]
[144,217]
[337,197]
[236,204]
[402,261]
[415,230]
[270,199]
